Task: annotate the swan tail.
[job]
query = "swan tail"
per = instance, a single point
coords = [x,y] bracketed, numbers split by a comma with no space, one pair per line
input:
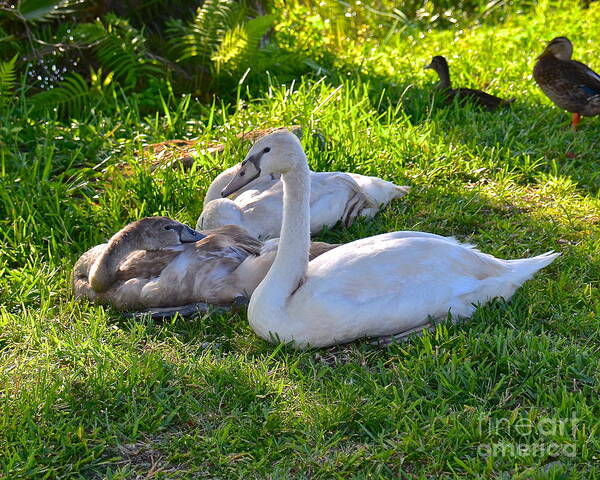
[378,192]
[350,181]
[510,276]
[523,269]
[384,192]
[400,191]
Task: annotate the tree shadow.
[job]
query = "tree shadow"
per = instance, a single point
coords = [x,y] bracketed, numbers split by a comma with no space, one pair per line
[527,138]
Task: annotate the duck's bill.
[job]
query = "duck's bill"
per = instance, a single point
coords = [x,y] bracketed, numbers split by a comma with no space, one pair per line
[247,172]
[545,53]
[427,66]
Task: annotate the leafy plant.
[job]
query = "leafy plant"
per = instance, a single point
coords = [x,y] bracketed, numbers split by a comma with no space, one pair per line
[240,45]
[73,94]
[7,79]
[221,43]
[200,39]
[44,10]
[119,48]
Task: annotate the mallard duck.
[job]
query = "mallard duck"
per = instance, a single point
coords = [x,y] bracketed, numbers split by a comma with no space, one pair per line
[158,262]
[258,206]
[381,285]
[570,84]
[477,97]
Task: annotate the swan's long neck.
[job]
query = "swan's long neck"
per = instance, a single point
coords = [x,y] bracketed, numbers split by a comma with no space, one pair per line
[218,184]
[103,272]
[291,262]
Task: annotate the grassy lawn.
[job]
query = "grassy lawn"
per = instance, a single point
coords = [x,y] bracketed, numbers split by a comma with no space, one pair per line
[512,393]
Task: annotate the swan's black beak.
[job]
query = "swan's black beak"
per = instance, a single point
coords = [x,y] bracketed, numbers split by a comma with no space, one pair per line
[249,170]
[427,66]
[188,235]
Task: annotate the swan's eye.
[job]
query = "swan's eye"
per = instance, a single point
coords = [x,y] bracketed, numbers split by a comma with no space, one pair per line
[242,173]
[267,150]
[168,227]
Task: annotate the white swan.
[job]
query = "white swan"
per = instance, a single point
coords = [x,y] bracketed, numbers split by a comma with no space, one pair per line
[258,204]
[381,285]
[158,262]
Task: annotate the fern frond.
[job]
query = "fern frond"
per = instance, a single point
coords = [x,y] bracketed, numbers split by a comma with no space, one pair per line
[8,76]
[119,47]
[240,44]
[232,48]
[202,37]
[69,97]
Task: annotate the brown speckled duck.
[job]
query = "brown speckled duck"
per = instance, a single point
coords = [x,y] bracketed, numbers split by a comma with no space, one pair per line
[477,97]
[570,84]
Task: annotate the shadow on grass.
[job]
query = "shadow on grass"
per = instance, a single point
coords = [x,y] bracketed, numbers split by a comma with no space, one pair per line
[527,138]
[521,134]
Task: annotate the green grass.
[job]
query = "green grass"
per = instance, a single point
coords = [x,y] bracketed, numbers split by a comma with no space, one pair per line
[86,393]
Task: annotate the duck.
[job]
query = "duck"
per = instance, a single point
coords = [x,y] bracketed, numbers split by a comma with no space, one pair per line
[159,262]
[482,99]
[571,85]
[376,286]
[258,205]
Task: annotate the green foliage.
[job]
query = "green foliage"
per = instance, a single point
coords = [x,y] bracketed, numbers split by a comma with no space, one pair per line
[221,42]
[74,94]
[198,40]
[119,48]
[239,47]
[45,10]
[7,79]
[200,55]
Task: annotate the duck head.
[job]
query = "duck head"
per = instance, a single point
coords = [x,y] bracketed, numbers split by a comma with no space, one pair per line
[440,66]
[438,63]
[560,47]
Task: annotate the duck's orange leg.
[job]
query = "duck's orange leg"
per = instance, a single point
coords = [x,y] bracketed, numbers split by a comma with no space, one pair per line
[575,121]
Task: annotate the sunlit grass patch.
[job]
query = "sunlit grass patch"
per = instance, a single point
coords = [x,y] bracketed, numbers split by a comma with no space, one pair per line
[87,393]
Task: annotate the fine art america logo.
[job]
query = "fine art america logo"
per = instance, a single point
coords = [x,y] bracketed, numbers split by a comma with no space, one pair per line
[542,436]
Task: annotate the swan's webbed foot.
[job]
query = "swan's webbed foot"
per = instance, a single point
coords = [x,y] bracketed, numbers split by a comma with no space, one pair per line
[169,312]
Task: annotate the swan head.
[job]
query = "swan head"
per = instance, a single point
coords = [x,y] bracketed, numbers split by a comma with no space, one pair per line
[154,233]
[277,153]
[560,47]
[150,233]
[220,212]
